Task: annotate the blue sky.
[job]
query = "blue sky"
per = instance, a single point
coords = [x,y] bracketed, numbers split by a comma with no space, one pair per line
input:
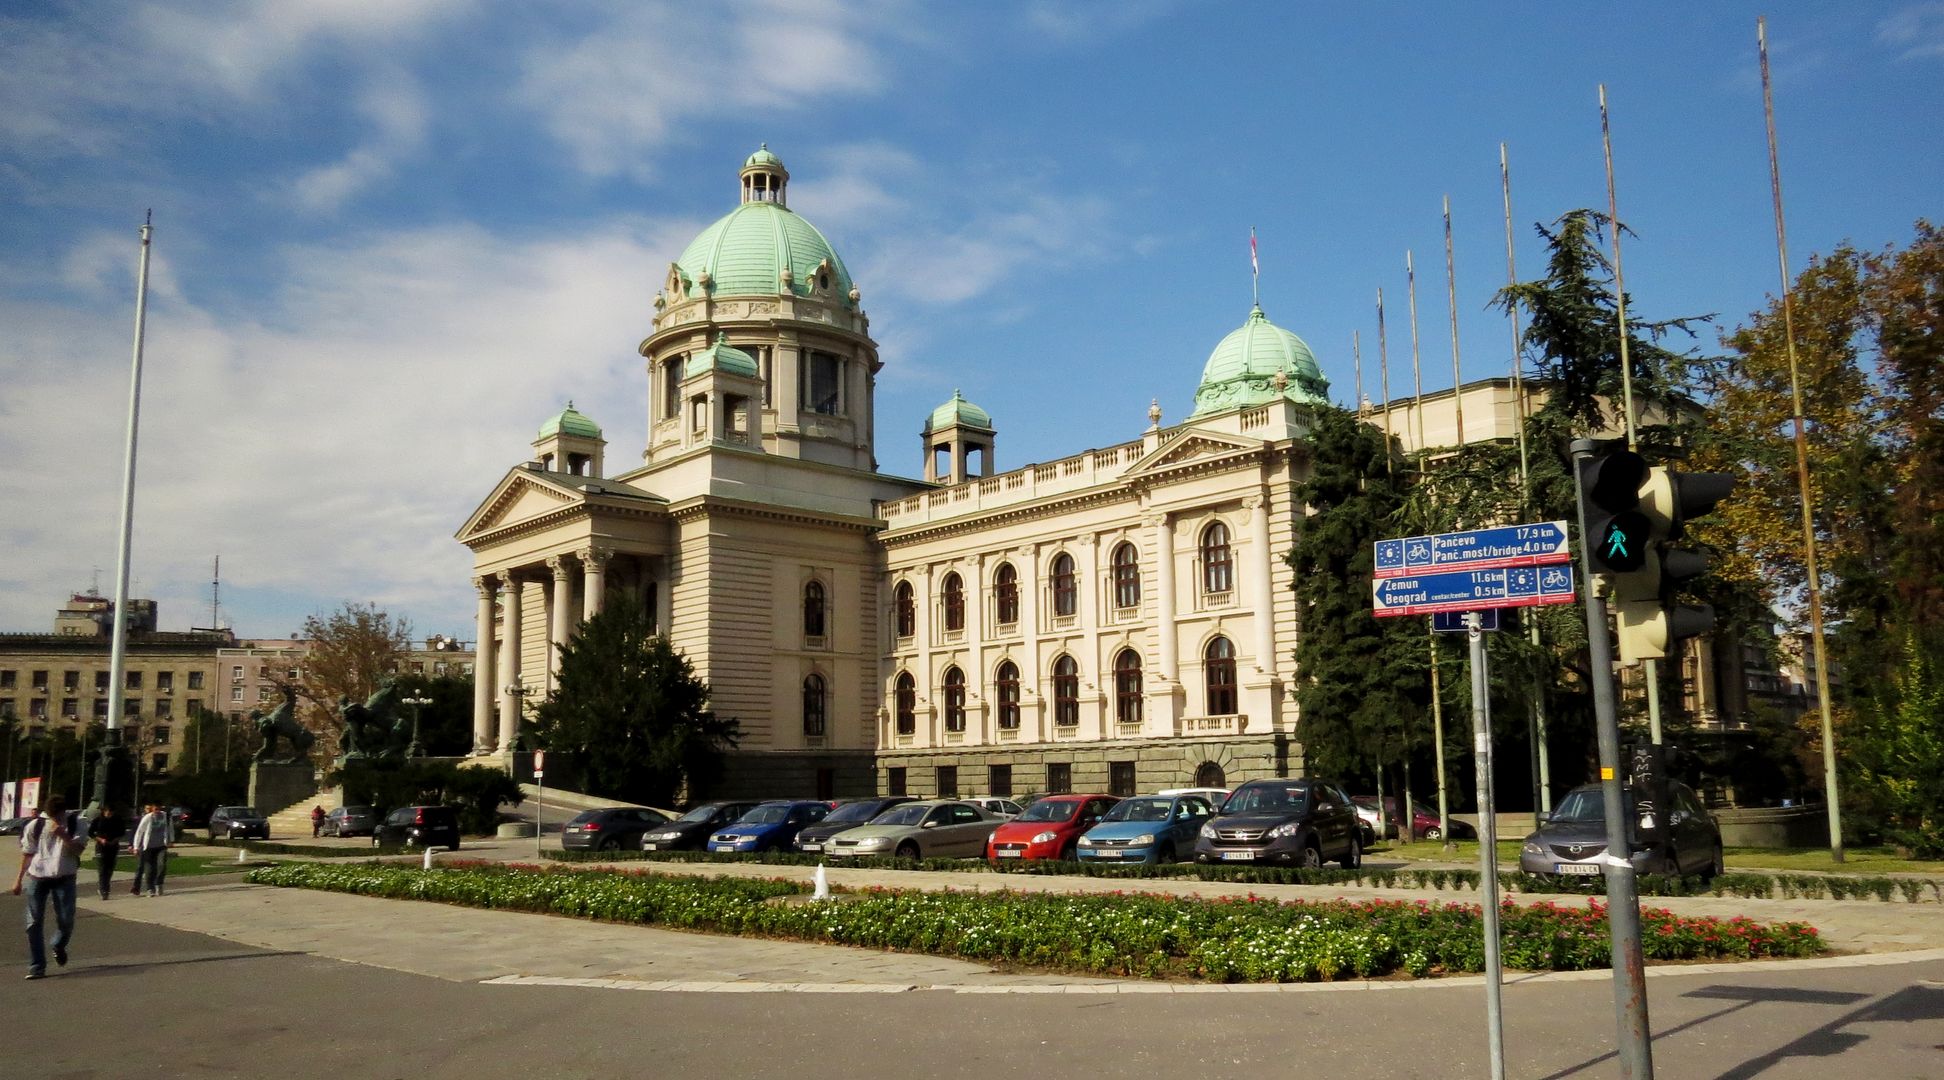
[392,237]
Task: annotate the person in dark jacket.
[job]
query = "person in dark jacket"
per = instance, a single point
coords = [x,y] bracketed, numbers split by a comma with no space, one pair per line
[107,831]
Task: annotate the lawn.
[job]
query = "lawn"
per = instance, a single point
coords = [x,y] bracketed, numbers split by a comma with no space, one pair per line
[1865,860]
[1463,851]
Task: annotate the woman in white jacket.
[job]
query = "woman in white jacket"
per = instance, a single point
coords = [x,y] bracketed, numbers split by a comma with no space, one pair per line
[151,847]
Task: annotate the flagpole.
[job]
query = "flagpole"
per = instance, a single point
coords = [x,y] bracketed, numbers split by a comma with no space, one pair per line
[1383,364]
[1430,636]
[1619,280]
[1451,299]
[1802,467]
[113,770]
[1356,352]
[1541,756]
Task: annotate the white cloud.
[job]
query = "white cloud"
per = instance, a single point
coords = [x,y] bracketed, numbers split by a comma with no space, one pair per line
[329,447]
[396,108]
[1917,30]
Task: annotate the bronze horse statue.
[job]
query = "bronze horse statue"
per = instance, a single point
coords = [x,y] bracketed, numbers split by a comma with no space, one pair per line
[373,728]
[283,721]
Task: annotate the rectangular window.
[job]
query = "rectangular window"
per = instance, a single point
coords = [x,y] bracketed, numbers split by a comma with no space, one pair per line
[195,680]
[672,387]
[161,736]
[236,672]
[160,763]
[823,383]
[1120,778]
[7,708]
[131,706]
[165,680]
[101,682]
[6,680]
[948,781]
[999,779]
[134,679]
[195,706]
[101,708]
[70,709]
[40,680]
[236,693]
[37,708]
[70,681]
[1059,778]
[894,781]
[164,707]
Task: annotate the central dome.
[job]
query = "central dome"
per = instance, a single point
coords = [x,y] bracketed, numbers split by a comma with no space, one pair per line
[763,248]
[1245,366]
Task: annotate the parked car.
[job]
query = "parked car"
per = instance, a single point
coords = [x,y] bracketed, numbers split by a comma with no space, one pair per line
[919,830]
[1050,828]
[609,828]
[692,830]
[1300,822]
[1148,828]
[13,826]
[1215,796]
[238,823]
[186,817]
[1573,839]
[995,804]
[848,815]
[418,826]
[1424,817]
[771,826]
[350,821]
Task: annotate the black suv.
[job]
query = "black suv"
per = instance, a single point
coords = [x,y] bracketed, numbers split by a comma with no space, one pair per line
[1300,822]
[692,830]
[418,826]
[609,828]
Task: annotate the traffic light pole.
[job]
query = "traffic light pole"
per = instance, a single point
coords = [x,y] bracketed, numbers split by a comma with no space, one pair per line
[1633,1042]
[1487,839]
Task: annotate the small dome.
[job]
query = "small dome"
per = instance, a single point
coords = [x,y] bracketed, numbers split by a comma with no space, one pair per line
[961,412]
[570,422]
[1243,368]
[763,157]
[722,356]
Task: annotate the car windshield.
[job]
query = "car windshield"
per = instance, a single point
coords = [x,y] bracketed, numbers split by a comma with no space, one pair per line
[238,811]
[700,813]
[852,811]
[908,814]
[1140,810]
[1268,799]
[766,815]
[584,817]
[1051,810]
[1586,804]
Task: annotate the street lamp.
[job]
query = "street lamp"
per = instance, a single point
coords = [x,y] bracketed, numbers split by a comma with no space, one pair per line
[417,701]
[520,693]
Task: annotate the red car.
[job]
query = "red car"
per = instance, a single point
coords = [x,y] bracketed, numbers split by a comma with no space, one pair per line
[1050,828]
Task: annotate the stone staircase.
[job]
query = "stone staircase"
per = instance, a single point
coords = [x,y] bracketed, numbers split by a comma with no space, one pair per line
[293,822]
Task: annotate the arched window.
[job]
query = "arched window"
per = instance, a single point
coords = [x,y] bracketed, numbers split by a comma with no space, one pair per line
[1066,599]
[1218,566]
[954,699]
[1066,691]
[1006,682]
[901,598]
[1127,576]
[813,609]
[954,590]
[813,706]
[1127,687]
[1210,775]
[1005,594]
[906,696]
[1218,671]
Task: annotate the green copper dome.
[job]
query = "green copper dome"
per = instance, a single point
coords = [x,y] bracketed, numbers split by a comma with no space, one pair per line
[961,412]
[1243,369]
[570,422]
[763,156]
[721,356]
[748,251]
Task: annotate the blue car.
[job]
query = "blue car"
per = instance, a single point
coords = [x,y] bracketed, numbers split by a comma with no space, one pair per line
[772,826]
[1146,829]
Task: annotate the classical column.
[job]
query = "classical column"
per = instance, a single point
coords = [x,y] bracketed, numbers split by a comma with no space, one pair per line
[977,673]
[922,610]
[1264,591]
[561,608]
[485,669]
[593,562]
[510,701]
[1164,597]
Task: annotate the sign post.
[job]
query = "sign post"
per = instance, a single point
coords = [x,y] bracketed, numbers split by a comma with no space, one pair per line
[1487,839]
[539,799]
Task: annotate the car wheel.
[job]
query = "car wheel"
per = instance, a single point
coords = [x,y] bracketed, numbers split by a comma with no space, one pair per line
[1164,853]
[908,850]
[1353,858]
[1716,867]
[1312,856]
[1434,833]
[608,844]
[1069,853]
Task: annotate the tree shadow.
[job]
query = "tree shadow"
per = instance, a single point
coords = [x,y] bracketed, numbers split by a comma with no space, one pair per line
[1743,997]
[1918,1002]
[145,965]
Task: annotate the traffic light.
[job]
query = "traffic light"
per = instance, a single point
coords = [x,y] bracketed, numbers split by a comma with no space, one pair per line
[1633,513]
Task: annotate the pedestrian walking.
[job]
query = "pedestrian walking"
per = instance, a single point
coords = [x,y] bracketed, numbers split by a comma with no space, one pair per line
[317,820]
[153,834]
[50,847]
[107,831]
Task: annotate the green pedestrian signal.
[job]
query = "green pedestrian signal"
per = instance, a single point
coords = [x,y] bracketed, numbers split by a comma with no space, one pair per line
[1616,544]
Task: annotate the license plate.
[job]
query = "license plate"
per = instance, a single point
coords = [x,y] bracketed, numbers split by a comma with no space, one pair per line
[1239,856]
[1582,869]
[811,847]
[651,847]
[1109,855]
[1004,854]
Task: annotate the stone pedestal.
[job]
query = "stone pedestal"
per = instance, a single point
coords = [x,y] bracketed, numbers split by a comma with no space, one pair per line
[275,787]
[515,830]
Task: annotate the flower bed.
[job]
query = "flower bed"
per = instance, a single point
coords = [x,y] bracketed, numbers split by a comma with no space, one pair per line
[1225,940]
[1742,884]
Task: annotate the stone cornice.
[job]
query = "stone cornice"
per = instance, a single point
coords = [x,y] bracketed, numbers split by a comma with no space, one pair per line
[705,505]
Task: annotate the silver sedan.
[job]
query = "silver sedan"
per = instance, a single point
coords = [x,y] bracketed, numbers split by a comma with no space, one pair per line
[919,830]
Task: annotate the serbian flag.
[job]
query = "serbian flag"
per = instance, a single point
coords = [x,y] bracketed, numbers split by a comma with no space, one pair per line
[1254,266]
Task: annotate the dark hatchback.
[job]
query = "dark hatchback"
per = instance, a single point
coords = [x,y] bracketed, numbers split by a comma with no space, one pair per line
[1572,842]
[610,828]
[418,826]
[1298,822]
[238,823]
[848,814]
[350,821]
[691,831]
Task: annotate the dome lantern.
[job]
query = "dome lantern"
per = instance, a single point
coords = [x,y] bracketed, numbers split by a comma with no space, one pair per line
[764,178]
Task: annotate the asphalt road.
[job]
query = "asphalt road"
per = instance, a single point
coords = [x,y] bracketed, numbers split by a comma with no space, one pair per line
[144,1000]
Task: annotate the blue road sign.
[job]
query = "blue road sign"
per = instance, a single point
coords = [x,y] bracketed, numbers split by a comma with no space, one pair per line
[1472,590]
[1540,543]
[1453,622]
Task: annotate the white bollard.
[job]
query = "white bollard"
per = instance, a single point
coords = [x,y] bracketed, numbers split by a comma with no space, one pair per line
[242,856]
[823,884]
[428,856]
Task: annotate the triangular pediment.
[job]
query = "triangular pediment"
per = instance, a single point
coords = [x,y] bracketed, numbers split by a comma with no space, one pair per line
[1191,446]
[520,495]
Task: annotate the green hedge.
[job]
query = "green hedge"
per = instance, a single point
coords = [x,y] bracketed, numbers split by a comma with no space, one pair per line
[1225,940]
[1738,883]
[315,851]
